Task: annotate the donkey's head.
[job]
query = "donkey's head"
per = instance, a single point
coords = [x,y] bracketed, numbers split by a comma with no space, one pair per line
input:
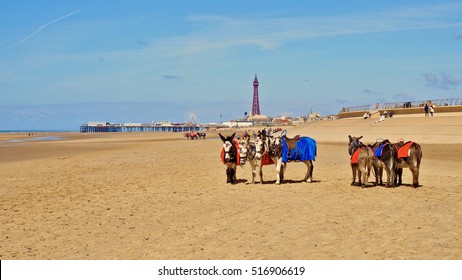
[245,149]
[275,146]
[229,148]
[259,148]
[354,143]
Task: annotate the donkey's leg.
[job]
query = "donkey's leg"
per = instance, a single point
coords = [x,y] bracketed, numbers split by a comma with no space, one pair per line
[380,172]
[278,170]
[283,171]
[415,176]
[309,171]
[376,172]
[353,170]
[363,172]
[364,177]
[228,174]
[390,179]
[254,170]
[261,173]
[399,176]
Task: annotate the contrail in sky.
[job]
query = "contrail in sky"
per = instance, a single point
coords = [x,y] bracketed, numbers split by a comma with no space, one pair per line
[41,27]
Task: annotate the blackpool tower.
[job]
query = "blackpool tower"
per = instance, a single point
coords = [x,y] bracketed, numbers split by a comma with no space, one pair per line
[255,103]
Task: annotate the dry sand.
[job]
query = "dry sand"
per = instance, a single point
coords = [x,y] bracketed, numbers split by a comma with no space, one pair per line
[157,196]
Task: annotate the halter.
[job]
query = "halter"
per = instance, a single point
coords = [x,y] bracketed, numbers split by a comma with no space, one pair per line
[248,154]
[229,152]
[354,145]
[273,148]
[259,154]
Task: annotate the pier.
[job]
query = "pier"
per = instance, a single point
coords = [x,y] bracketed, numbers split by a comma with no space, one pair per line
[95,127]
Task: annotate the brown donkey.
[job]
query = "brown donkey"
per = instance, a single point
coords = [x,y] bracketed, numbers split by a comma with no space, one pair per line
[385,157]
[409,156]
[361,160]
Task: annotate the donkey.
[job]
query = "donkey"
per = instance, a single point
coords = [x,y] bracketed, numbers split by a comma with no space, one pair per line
[247,152]
[361,160]
[283,150]
[262,154]
[230,157]
[385,157]
[409,156]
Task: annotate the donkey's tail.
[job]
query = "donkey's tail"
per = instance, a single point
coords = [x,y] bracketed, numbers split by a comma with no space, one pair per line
[369,161]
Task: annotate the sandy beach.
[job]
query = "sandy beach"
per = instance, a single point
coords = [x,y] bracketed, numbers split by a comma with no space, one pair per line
[157,196]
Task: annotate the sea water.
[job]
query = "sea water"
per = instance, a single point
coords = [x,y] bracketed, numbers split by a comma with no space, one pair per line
[31,134]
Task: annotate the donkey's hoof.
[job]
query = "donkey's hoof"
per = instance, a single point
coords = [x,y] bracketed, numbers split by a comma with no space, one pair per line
[309,180]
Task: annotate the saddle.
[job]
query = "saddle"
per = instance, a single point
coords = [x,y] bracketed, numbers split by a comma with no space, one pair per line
[291,142]
[378,151]
[403,149]
[355,156]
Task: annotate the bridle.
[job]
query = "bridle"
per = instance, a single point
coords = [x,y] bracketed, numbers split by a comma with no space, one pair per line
[354,145]
[259,148]
[274,146]
[229,151]
[246,152]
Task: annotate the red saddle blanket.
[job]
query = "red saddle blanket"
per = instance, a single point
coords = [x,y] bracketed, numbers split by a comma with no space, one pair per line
[355,156]
[403,151]
[266,159]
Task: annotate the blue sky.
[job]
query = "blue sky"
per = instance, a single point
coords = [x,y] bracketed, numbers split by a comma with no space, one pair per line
[64,63]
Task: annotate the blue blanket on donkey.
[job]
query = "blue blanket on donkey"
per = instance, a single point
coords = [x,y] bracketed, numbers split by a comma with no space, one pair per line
[378,152]
[305,149]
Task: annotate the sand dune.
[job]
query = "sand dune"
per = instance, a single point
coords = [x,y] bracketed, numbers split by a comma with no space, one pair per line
[157,196]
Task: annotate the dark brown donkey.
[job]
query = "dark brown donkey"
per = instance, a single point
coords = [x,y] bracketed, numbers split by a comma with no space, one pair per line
[409,156]
[230,157]
[385,157]
[361,160]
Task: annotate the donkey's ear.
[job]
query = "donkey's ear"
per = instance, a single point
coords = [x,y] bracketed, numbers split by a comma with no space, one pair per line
[360,137]
[350,138]
[222,138]
[232,136]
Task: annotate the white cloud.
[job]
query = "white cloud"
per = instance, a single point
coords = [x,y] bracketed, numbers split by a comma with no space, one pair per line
[443,81]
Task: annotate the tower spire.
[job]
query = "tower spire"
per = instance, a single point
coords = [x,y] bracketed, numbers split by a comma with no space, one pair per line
[256,102]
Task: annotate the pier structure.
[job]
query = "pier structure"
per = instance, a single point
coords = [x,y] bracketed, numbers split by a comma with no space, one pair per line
[94,127]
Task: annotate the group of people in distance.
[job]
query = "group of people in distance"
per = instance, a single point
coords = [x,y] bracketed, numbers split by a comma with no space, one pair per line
[429,112]
[429,108]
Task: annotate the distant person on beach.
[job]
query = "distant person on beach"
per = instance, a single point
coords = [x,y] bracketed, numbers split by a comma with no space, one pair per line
[432,110]
[426,110]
